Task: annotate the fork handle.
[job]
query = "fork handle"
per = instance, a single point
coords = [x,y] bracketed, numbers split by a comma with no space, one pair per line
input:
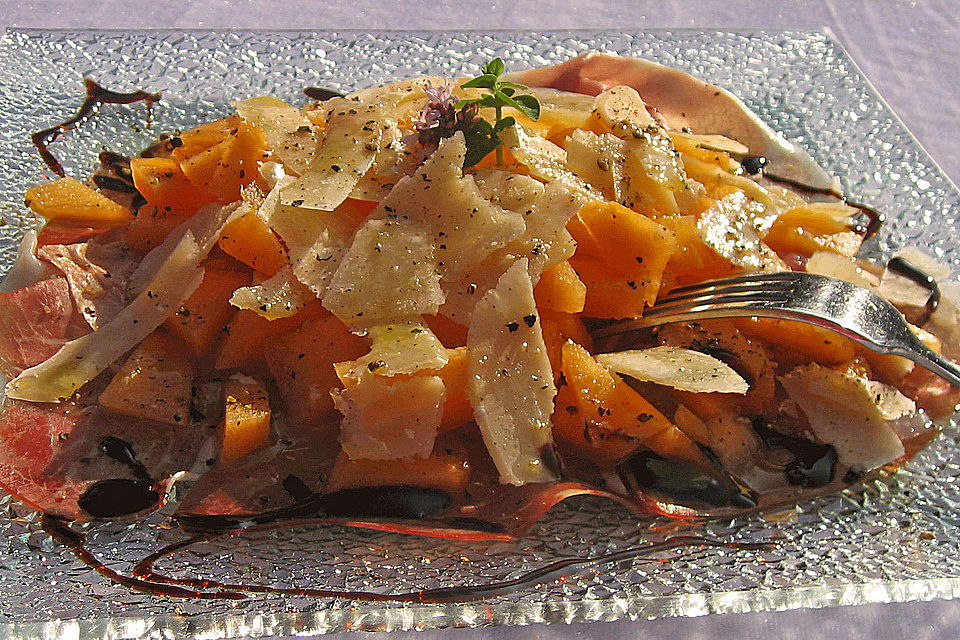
[933,361]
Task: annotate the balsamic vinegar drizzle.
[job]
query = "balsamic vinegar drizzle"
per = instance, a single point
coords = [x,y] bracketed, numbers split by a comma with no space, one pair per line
[120,496]
[59,530]
[320,94]
[147,580]
[907,269]
[96,96]
[755,165]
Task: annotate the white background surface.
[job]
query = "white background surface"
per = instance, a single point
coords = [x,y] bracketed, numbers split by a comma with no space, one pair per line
[908,50]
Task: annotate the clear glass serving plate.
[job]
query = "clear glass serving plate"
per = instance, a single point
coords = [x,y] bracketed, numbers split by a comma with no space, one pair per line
[892,540]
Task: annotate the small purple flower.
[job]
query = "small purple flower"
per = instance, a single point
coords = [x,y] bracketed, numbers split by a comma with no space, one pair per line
[438,119]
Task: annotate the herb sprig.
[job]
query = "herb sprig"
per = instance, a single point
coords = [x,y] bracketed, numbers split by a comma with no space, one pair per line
[481,136]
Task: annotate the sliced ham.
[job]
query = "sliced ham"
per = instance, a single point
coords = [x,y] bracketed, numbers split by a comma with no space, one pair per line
[34,324]
[52,454]
[97,275]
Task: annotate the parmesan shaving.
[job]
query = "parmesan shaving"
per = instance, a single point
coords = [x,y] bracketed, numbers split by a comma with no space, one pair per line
[81,360]
[388,272]
[545,160]
[289,133]
[682,369]
[402,348]
[279,296]
[390,418]
[315,240]
[544,241]
[851,413]
[350,143]
[734,226]
[511,382]
[463,226]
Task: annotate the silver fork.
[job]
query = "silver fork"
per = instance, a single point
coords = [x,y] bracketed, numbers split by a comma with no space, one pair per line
[852,311]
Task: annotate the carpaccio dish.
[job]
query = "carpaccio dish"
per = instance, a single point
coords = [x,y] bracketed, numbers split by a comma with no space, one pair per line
[378,310]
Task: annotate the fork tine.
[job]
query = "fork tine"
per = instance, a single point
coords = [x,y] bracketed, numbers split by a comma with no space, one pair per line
[751,278]
[739,301]
[763,291]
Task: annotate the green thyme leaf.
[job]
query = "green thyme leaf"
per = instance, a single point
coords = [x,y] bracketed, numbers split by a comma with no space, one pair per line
[481,136]
[494,67]
[527,105]
[486,81]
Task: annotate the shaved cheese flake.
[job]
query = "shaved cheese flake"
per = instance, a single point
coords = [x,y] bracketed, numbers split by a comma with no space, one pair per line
[506,189]
[834,265]
[388,272]
[205,228]
[545,160]
[711,142]
[397,157]
[27,268]
[350,143]
[622,110]
[851,413]
[708,172]
[289,133]
[562,108]
[676,367]
[390,418]
[465,227]
[81,360]
[511,382]
[401,348]
[272,172]
[279,296]
[734,226]
[399,100]
[545,241]
[315,240]
[599,159]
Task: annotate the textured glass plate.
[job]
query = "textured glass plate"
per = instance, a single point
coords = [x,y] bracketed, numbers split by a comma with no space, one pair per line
[894,540]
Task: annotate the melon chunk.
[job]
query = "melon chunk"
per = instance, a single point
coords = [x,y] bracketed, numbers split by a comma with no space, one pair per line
[302,362]
[154,383]
[246,418]
[511,382]
[448,472]
[69,200]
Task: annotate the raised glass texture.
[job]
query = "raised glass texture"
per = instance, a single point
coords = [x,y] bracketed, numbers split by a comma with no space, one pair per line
[891,540]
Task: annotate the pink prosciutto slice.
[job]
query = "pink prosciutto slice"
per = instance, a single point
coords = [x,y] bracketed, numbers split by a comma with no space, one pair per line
[54,454]
[34,324]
